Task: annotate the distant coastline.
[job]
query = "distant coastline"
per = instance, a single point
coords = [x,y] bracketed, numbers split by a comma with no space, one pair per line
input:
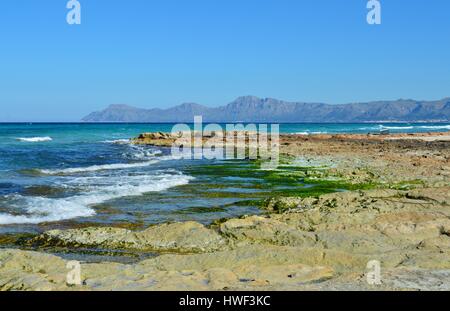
[250,109]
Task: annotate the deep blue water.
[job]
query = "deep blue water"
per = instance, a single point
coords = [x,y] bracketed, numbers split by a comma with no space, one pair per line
[54,173]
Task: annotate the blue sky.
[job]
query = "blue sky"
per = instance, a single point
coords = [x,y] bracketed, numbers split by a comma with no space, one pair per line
[160,53]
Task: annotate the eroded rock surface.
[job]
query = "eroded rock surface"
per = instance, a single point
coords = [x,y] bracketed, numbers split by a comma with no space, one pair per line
[180,237]
[324,243]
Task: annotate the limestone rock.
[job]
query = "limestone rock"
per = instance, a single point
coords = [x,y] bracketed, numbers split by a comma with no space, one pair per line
[22,270]
[260,230]
[180,237]
[418,279]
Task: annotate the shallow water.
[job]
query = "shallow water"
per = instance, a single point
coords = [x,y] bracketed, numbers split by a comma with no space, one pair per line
[72,175]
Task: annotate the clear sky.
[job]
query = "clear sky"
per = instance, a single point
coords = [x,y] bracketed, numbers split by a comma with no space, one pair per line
[160,53]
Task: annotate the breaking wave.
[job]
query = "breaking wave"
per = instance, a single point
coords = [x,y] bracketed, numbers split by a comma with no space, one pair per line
[93,168]
[309,133]
[39,209]
[435,127]
[117,141]
[397,127]
[140,153]
[35,139]
[408,127]
[382,127]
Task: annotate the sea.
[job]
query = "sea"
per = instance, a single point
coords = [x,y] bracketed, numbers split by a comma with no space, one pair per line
[64,175]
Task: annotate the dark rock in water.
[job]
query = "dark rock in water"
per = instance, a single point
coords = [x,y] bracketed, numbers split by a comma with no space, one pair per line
[42,191]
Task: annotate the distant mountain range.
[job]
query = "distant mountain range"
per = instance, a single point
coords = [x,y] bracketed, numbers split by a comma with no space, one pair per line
[254,109]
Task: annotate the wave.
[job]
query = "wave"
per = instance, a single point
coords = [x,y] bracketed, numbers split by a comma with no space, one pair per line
[39,209]
[435,127]
[396,127]
[93,168]
[140,153]
[309,133]
[34,139]
[117,141]
[409,127]
[382,127]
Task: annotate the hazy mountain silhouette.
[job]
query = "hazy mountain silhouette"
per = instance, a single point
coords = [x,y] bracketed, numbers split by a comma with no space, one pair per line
[254,109]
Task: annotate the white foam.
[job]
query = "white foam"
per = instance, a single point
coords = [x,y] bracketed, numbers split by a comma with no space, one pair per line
[117,141]
[397,127]
[369,128]
[382,127]
[309,133]
[435,127]
[34,139]
[40,209]
[139,153]
[93,168]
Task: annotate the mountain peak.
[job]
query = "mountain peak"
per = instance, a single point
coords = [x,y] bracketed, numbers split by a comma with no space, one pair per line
[254,109]
[247,99]
[120,106]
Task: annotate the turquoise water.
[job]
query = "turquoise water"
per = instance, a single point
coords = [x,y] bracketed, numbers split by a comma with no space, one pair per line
[65,175]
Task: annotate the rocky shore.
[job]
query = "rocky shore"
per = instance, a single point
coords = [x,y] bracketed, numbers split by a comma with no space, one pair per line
[396,212]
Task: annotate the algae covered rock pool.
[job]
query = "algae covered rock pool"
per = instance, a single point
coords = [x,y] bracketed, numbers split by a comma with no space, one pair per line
[212,190]
[163,190]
